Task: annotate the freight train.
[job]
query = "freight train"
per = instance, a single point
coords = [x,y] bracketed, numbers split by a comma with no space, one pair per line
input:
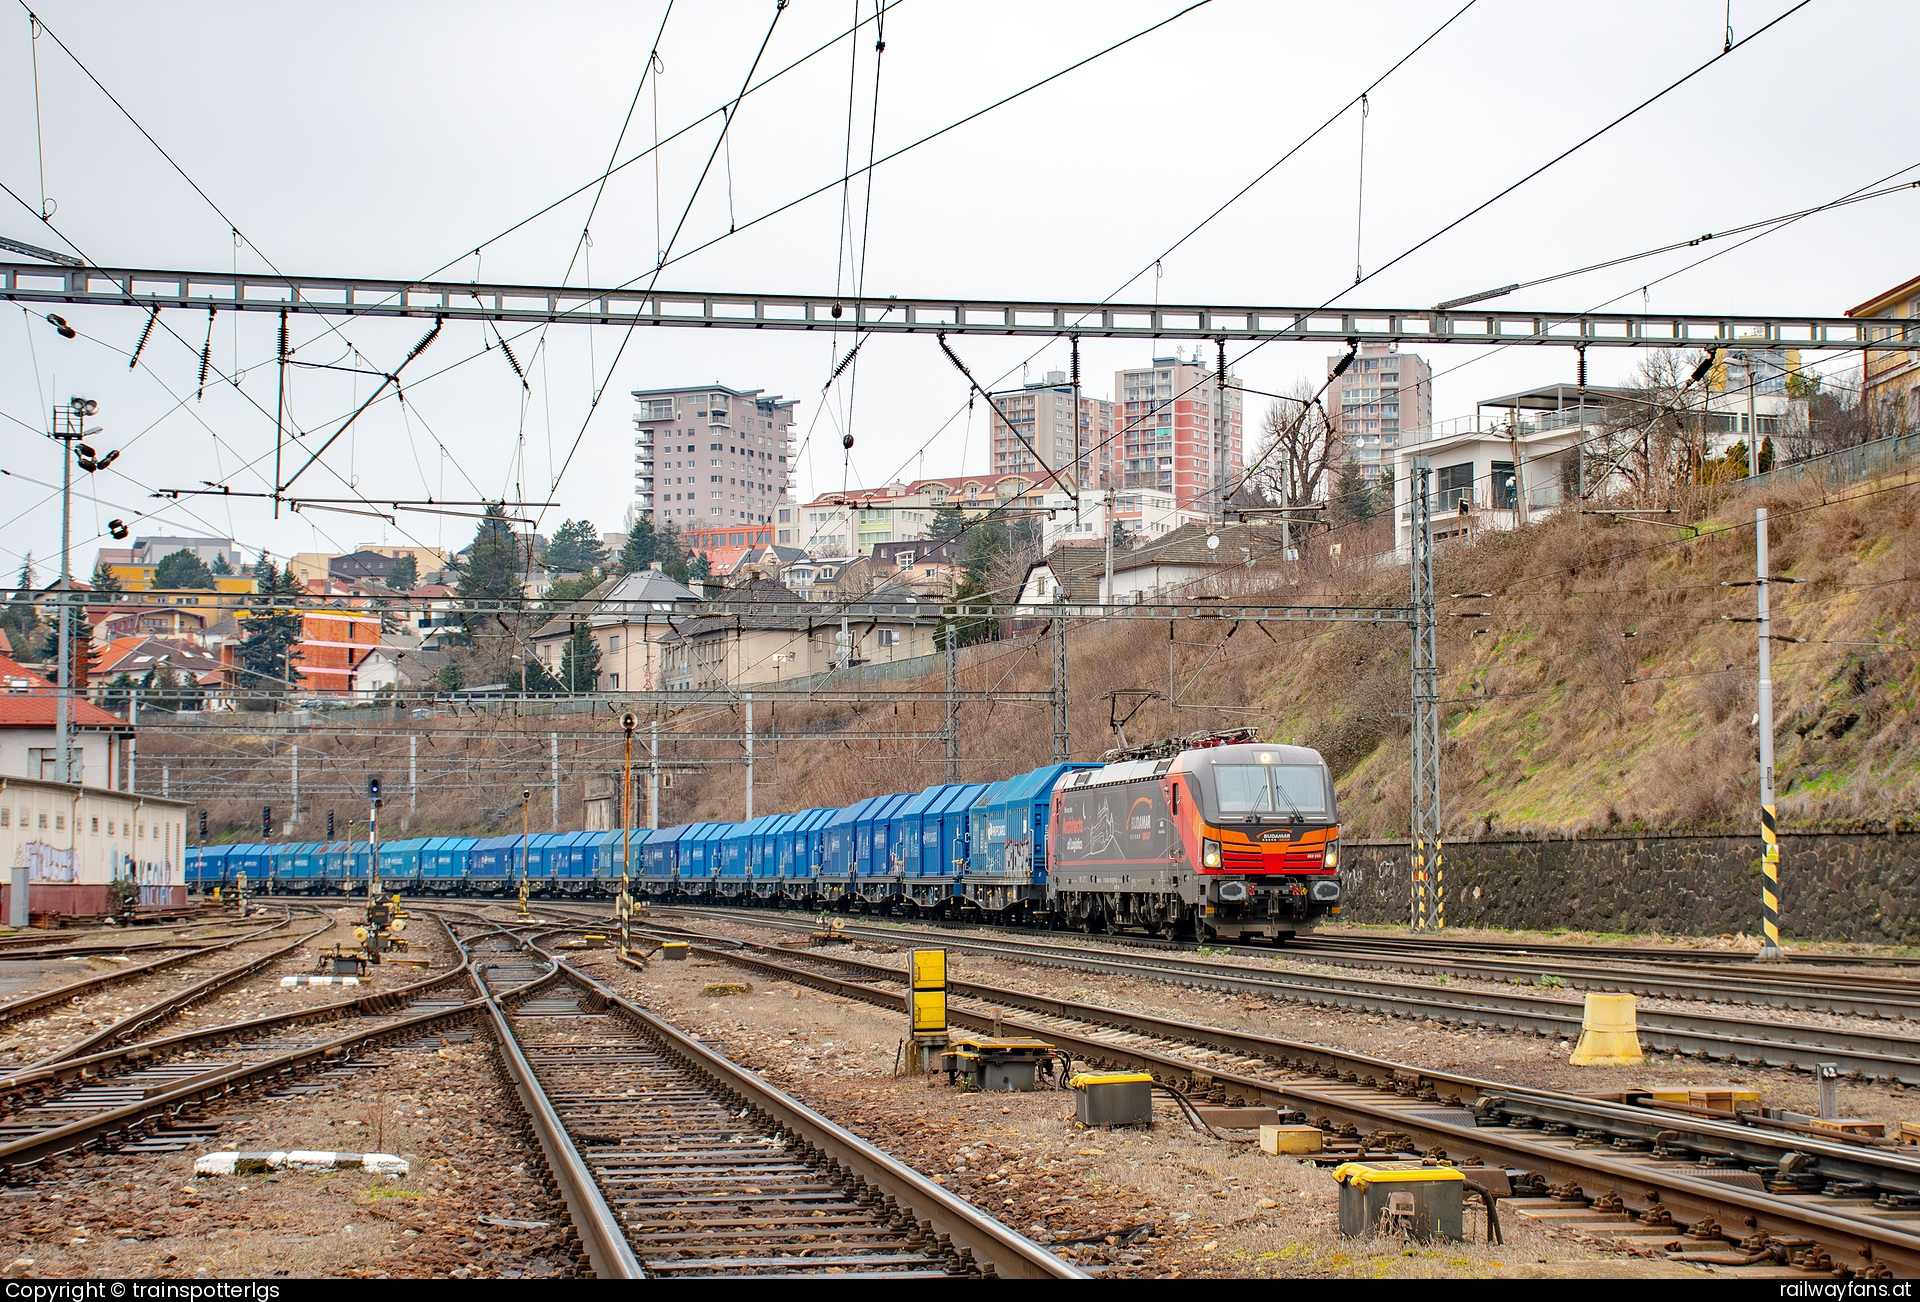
[1217,836]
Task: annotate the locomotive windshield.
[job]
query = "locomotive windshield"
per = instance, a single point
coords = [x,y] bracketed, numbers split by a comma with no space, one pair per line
[1270,789]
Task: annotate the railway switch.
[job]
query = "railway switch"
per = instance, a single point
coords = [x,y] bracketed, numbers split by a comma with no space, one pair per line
[1421,1201]
[1115,1098]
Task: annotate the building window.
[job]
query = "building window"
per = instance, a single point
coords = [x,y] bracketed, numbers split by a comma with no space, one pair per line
[614,679]
[59,822]
[43,822]
[613,642]
[96,827]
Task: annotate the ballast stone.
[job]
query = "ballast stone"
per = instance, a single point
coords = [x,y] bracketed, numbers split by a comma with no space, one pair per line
[232,1163]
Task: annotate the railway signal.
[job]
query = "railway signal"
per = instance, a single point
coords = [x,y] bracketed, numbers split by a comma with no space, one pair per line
[628,722]
[329,825]
[203,827]
[526,797]
[266,822]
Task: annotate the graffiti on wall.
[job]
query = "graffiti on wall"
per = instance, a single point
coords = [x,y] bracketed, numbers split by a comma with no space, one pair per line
[45,863]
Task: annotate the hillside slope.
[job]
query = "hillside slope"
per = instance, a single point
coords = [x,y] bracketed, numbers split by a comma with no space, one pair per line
[1599,685]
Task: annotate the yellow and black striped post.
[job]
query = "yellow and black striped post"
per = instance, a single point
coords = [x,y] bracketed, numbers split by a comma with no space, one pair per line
[1770,887]
[1763,719]
[1439,888]
[1419,885]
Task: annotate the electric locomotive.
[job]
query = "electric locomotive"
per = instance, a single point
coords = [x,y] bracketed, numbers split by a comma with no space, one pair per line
[1215,836]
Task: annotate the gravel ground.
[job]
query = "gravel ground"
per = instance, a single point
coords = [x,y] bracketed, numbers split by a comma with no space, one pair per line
[1162,1203]
[1520,1059]
[443,1106]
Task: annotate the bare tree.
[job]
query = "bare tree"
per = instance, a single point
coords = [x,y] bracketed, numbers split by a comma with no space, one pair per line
[1655,438]
[1300,450]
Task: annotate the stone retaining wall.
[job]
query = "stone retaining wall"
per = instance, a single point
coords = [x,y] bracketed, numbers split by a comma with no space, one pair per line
[1834,886]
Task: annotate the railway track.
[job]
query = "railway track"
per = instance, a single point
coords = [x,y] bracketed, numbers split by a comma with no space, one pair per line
[1705,977]
[34,1001]
[1870,1055]
[1733,1195]
[146,1096]
[677,1163]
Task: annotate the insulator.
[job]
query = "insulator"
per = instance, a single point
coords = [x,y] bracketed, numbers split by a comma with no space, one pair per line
[426,340]
[514,362]
[285,351]
[836,311]
[846,441]
[206,357]
[845,362]
[145,331]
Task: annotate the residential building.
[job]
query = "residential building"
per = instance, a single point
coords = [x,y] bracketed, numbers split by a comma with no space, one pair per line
[1517,458]
[1045,435]
[30,741]
[1142,515]
[711,457]
[856,520]
[630,617]
[76,841]
[785,637]
[1748,388]
[1891,379]
[928,566]
[180,665]
[1176,432]
[1179,566]
[361,567]
[1383,395]
[134,565]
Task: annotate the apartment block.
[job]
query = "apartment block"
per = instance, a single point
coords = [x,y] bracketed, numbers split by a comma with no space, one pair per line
[1175,432]
[1040,433]
[1382,395]
[711,458]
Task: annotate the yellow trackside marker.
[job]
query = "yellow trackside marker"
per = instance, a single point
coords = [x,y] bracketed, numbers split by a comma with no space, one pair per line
[1609,1033]
[927,999]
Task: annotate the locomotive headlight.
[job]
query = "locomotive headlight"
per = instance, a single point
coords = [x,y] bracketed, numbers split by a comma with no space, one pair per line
[1332,859]
[1210,854]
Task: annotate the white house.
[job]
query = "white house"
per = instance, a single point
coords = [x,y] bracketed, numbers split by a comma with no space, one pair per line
[1514,460]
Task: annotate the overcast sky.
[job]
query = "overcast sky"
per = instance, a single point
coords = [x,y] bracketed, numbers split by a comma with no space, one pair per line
[390,140]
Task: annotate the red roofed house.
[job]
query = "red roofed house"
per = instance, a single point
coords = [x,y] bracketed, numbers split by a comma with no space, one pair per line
[30,747]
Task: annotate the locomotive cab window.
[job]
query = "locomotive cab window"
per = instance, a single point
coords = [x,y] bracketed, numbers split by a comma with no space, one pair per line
[1270,788]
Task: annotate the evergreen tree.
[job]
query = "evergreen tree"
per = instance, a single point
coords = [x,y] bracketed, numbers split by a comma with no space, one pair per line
[220,566]
[491,572]
[987,544]
[642,549]
[675,562]
[1356,497]
[405,574]
[272,623]
[948,523]
[21,619]
[580,662]
[103,582]
[182,569]
[576,545]
[701,568]
[118,692]
[451,678]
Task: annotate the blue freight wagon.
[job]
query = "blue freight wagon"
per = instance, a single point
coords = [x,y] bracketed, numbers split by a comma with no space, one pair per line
[660,856]
[798,850]
[444,861]
[1008,860]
